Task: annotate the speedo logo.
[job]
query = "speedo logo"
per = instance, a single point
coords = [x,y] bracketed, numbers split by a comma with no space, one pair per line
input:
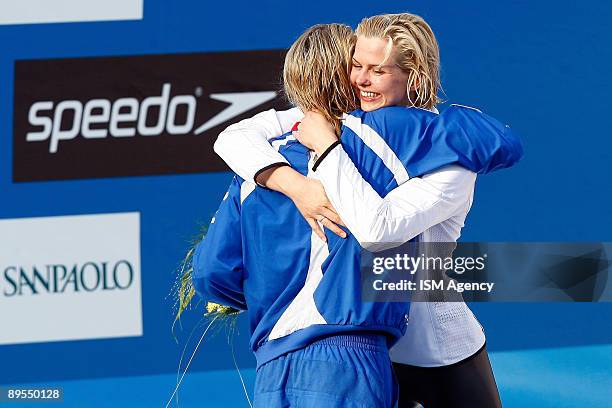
[127,117]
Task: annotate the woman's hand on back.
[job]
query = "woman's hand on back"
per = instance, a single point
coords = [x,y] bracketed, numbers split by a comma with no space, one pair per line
[309,197]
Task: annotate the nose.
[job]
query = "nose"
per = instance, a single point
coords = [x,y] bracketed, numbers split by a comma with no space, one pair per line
[363,78]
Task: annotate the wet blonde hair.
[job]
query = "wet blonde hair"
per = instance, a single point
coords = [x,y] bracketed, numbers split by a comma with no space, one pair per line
[416,53]
[316,74]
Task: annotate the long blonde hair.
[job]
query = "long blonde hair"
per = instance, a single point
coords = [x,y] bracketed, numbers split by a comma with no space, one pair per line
[416,53]
[316,72]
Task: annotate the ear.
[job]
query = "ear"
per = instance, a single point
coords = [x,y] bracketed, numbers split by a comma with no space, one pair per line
[416,83]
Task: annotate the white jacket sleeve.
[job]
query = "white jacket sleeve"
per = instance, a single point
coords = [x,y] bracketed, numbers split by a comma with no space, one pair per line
[407,211]
[244,145]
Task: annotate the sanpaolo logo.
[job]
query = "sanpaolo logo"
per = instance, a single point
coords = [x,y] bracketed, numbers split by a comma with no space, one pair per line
[135,115]
[89,276]
[70,277]
[127,117]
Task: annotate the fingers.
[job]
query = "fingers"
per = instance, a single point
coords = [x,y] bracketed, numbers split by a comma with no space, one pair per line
[316,228]
[296,134]
[327,224]
[332,216]
[333,228]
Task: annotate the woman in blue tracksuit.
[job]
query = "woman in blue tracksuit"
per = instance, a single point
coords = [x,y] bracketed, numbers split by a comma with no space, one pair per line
[301,293]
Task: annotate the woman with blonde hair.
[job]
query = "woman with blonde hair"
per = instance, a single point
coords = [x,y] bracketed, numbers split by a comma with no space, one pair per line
[395,62]
[442,360]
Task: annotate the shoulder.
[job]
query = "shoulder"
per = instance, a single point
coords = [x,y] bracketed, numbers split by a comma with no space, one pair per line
[287,142]
[392,116]
[457,113]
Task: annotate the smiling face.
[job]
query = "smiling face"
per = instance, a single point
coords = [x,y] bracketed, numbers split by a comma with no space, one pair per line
[377,80]
[396,62]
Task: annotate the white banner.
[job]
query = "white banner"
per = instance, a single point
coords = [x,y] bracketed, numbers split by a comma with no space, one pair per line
[70,278]
[68,11]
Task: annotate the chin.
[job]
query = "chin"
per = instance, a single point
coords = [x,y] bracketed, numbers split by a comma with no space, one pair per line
[370,106]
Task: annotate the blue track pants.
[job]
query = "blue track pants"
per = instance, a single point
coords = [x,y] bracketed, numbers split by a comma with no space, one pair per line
[348,371]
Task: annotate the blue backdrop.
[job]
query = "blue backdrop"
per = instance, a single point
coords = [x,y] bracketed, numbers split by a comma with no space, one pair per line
[542,67]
